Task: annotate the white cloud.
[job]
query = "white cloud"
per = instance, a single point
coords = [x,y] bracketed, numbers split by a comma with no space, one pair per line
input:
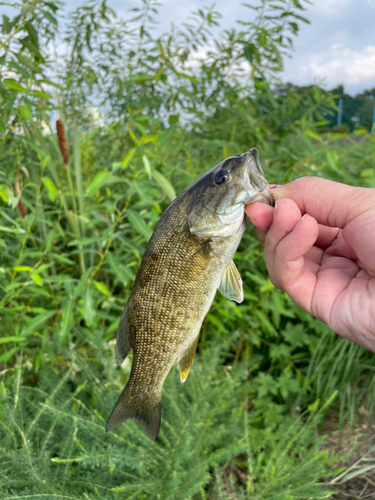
[330,8]
[339,64]
[346,65]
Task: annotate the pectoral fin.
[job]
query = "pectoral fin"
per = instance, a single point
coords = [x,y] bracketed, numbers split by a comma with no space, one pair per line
[187,360]
[231,283]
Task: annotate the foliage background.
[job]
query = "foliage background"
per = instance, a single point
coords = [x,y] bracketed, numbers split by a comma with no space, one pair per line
[144,116]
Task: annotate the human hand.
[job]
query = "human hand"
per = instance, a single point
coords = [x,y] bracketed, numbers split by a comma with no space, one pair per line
[319,244]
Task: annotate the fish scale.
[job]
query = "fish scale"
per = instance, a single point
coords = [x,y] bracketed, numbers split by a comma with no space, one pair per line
[184,264]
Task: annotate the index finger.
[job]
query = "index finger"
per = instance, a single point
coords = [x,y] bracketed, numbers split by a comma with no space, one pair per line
[330,203]
[261,216]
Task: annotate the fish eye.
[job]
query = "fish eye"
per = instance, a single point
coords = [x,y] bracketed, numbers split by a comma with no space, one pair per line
[221,177]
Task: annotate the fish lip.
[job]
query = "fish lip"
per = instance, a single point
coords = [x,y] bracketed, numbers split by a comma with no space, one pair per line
[272,199]
[265,197]
[256,194]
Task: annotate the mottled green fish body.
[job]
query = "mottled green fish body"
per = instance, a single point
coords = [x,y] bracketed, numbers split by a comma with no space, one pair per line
[188,258]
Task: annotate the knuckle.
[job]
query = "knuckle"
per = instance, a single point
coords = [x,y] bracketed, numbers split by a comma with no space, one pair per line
[303,182]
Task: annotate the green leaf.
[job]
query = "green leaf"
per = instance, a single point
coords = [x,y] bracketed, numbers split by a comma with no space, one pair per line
[50,239]
[173,119]
[60,278]
[360,131]
[82,284]
[62,259]
[217,323]
[102,288]
[121,272]
[12,230]
[279,351]
[287,384]
[50,17]
[5,340]
[98,181]
[6,193]
[166,135]
[13,85]
[38,291]
[2,126]
[29,64]
[145,139]
[37,279]
[265,322]
[116,165]
[85,241]
[141,78]
[9,354]
[139,224]
[35,147]
[25,112]
[188,77]
[314,135]
[147,165]
[51,188]
[125,162]
[164,184]
[22,268]
[332,160]
[249,52]
[42,94]
[33,33]
[36,323]
[295,335]
[88,305]
[367,173]
[266,384]
[67,319]
[6,27]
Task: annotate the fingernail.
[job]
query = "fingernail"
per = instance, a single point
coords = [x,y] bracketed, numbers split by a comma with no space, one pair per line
[277,203]
[304,216]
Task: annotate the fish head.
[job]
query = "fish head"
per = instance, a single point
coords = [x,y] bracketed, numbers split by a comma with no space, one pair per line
[223,192]
[238,180]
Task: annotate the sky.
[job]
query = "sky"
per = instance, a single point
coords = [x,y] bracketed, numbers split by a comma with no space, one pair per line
[338,47]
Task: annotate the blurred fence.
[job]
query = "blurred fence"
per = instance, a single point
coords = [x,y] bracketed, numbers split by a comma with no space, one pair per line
[350,113]
[356,112]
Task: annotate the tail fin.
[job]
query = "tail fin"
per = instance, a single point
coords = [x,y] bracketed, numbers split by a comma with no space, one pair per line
[129,406]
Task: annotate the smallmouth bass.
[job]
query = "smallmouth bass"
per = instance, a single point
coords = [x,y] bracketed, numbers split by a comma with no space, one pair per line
[188,258]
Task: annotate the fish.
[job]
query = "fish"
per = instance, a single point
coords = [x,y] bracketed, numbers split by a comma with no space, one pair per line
[188,257]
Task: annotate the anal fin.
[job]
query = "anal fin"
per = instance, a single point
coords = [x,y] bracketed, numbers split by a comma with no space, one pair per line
[123,345]
[231,283]
[187,360]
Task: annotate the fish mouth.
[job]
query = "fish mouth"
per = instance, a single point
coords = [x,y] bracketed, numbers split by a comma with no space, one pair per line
[264,197]
[254,182]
